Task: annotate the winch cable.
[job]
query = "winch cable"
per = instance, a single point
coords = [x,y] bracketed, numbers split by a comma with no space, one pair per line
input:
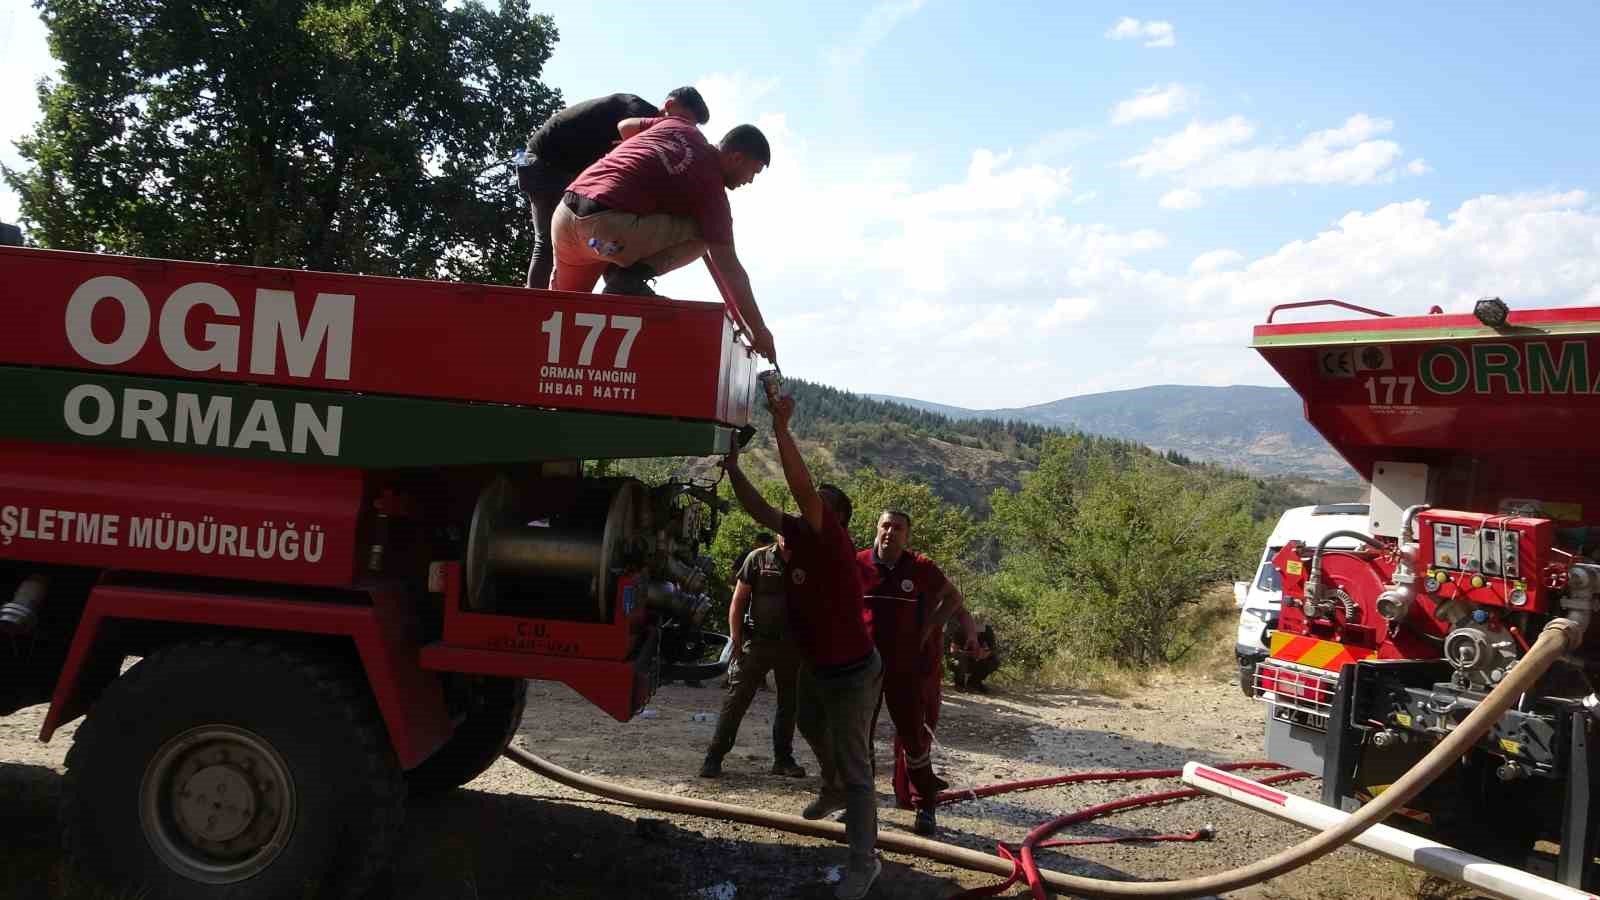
[1557,638]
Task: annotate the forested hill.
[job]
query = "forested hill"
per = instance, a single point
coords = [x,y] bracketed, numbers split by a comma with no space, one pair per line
[962,460]
[1258,429]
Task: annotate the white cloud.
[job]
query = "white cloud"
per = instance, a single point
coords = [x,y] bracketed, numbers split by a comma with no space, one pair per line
[1199,142]
[1153,33]
[1182,198]
[1214,260]
[987,307]
[1418,166]
[1154,102]
[1532,249]
[1068,311]
[1209,156]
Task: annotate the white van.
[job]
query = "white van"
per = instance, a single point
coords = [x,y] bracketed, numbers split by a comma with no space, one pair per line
[1259,598]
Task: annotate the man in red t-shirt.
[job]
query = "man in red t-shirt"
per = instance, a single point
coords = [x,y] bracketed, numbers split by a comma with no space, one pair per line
[909,600]
[841,674]
[658,202]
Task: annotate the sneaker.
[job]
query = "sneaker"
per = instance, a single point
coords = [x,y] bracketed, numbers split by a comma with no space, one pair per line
[712,767]
[858,881]
[824,804]
[926,825]
[634,280]
[788,767]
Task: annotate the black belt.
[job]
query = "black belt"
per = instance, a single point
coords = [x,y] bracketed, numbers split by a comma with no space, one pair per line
[583,206]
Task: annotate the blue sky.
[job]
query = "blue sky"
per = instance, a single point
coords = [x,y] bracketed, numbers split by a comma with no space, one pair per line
[994,204]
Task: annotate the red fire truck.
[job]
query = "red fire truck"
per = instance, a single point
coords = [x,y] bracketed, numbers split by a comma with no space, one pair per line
[337,520]
[1471,430]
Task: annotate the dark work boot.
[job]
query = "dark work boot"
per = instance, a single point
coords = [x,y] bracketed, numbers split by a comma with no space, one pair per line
[634,280]
[926,825]
[786,766]
[712,767]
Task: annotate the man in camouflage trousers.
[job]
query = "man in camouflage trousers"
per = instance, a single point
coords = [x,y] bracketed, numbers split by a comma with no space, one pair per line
[759,626]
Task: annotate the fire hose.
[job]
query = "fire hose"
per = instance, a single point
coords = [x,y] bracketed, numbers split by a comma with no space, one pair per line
[1558,637]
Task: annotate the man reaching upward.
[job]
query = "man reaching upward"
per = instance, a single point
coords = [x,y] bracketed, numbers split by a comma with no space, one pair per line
[840,671]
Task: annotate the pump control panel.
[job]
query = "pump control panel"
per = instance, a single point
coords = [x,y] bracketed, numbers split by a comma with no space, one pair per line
[1483,558]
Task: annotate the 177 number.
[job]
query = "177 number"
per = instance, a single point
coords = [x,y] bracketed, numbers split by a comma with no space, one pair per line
[1388,383]
[596,323]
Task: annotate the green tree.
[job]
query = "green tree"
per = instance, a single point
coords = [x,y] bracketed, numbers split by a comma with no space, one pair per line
[337,135]
[1107,552]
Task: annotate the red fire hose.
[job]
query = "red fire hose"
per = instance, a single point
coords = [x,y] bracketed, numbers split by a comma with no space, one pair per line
[1022,859]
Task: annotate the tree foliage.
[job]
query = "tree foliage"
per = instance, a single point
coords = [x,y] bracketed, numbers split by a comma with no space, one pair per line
[337,135]
[1107,553]
[1102,550]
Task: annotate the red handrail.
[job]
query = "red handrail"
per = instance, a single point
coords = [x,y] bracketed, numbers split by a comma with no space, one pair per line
[1340,303]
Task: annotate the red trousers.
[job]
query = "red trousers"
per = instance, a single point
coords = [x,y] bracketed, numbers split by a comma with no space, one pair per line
[913,701]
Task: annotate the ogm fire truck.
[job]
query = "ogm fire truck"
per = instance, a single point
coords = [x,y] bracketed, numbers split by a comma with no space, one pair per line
[1472,431]
[339,520]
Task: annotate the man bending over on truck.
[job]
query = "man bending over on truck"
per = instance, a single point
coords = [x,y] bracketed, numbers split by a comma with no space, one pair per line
[840,671]
[656,203]
[758,623]
[909,600]
[571,141]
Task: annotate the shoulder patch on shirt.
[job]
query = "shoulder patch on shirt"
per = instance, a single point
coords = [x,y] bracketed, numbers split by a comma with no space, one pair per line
[799,576]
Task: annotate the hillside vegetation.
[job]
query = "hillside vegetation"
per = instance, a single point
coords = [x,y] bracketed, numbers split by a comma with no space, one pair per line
[1071,544]
[1258,429]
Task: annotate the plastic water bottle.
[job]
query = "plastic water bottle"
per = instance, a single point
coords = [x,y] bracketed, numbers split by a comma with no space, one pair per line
[604,248]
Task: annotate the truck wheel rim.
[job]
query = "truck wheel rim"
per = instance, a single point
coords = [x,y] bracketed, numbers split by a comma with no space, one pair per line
[217,804]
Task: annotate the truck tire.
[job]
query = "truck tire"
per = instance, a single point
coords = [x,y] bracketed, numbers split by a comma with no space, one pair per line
[494,712]
[1247,678]
[232,768]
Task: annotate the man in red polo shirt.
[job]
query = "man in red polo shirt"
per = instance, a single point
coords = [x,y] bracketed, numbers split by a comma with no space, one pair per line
[658,202]
[909,600]
[841,674]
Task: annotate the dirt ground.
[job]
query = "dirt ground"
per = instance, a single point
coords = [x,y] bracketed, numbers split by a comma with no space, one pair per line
[511,834]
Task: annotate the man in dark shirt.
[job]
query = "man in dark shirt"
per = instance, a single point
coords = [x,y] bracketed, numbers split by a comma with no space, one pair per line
[658,202]
[570,141]
[840,671]
[908,602]
[758,622]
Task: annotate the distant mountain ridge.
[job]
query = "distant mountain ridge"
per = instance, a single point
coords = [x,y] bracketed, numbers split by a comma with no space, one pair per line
[1257,429]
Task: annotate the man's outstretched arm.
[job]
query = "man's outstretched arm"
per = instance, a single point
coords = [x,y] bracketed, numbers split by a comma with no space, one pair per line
[806,498]
[731,277]
[750,498]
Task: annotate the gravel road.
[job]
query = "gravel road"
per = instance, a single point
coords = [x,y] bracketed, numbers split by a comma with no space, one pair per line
[511,834]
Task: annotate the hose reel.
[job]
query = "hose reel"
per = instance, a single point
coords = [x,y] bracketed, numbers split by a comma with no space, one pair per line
[586,543]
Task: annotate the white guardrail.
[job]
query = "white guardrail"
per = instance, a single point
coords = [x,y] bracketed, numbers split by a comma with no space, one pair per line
[1431,856]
